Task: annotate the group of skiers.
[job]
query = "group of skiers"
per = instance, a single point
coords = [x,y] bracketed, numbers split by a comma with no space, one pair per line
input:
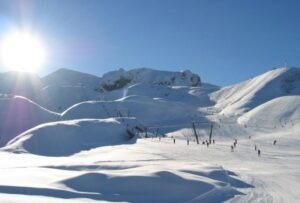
[255,146]
[207,143]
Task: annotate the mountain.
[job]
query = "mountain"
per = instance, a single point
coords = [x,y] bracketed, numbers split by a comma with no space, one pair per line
[276,113]
[136,131]
[68,77]
[120,78]
[242,97]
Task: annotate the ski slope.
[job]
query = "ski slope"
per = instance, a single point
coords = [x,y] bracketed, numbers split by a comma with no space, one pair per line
[242,97]
[88,135]
[159,171]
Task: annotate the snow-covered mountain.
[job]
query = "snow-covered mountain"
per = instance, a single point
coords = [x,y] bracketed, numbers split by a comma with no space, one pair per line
[275,113]
[118,79]
[244,96]
[86,133]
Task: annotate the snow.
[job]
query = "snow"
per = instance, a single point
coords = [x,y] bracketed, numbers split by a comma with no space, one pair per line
[65,138]
[158,77]
[94,149]
[276,113]
[18,114]
[242,97]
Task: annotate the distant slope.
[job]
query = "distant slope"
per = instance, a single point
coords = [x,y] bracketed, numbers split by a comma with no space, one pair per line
[148,111]
[60,97]
[18,114]
[64,88]
[278,112]
[65,138]
[242,97]
[69,77]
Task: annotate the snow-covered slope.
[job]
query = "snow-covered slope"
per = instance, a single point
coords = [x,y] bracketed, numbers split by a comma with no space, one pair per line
[242,97]
[276,113]
[87,156]
[65,138]
[69,77]
[18,114]
[60,97]
[147,110]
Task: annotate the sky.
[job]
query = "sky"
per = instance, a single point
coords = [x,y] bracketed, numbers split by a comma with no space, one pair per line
[224,41]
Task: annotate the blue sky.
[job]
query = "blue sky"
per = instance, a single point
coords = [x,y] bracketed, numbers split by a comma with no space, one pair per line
[223,41]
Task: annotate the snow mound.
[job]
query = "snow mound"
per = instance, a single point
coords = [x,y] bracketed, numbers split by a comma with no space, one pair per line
[279,111]
[118,79]
[18,114]
[65,138]
[242,97]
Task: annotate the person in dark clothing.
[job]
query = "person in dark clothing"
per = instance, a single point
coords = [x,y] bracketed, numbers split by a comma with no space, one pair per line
[274,142]
[231,148]
[255,147]
[258,152]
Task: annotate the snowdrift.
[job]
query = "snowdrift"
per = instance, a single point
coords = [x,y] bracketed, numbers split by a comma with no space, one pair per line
[66,138]
[162,186]
[18,114]
[242,97]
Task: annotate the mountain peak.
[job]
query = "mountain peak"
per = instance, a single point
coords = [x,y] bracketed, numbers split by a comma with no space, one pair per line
[120,78]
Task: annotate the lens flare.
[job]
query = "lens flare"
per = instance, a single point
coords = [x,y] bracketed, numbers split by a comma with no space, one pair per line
[22,51]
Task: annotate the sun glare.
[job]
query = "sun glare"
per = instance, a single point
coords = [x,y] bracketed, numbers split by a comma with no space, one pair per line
[22,51]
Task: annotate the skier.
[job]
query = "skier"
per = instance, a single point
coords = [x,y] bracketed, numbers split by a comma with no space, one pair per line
[174,141]
[213,141]
[255,147]
[274,142]
[231,148]
[258,152]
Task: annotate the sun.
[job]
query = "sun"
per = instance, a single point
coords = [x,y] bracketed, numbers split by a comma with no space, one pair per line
[22,51]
